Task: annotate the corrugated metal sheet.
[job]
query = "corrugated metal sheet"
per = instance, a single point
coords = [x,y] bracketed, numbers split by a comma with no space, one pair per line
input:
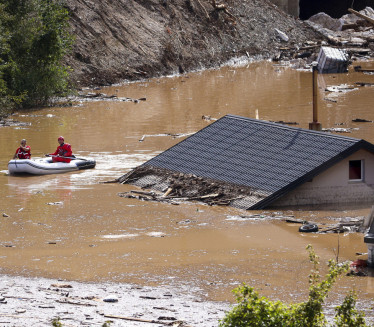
[332,60]
[268,157]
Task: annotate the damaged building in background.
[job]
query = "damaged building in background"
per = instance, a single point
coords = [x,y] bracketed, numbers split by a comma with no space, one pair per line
[254,164]
[306,8]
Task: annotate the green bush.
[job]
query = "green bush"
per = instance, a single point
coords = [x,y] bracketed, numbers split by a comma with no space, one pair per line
[255,311]
[347,315]
[34,38]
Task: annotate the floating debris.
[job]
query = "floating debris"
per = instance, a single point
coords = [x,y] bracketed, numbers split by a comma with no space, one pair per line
[261,217]
[97,96]
[364,84]
[308,228]
[120,236]
[363,70]
[207,118]
[156,234]
[173,135]
[285,122]
[340,129]
[342,88]
[10,122]
[55,203]
[359,120]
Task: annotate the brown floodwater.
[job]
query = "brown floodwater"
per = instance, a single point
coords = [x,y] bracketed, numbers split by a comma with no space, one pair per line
[72,226]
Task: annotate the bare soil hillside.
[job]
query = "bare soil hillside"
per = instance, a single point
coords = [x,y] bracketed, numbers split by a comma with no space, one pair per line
[128,40]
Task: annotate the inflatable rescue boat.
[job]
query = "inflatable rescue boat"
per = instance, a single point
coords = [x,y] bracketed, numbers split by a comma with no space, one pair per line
[44,166]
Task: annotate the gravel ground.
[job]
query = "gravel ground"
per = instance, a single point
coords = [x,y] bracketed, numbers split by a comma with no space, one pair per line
[37,302]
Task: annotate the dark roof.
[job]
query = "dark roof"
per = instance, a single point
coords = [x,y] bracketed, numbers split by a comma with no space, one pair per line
[265,156]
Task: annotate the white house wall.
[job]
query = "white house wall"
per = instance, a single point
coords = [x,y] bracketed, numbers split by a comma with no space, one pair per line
[333,185]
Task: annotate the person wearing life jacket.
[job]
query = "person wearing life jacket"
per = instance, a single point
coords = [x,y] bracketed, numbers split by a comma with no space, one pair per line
[62,151]
[23,152]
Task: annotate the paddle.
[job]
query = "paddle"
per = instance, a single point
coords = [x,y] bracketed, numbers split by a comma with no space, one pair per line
[72,158]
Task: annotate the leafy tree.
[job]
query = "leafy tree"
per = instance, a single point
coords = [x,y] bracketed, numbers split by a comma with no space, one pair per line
[35,40]
[256,311]
[4,50]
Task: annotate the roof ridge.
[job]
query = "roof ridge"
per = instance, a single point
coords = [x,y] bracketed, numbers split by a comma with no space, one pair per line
[303,130]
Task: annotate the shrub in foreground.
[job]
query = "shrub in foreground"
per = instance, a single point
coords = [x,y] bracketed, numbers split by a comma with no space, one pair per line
[256,311]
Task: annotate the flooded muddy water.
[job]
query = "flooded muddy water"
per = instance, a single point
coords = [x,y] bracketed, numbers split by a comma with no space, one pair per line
[71,226]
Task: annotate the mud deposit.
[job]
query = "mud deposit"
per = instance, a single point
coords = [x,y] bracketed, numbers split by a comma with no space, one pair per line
[38,302]
[118,40]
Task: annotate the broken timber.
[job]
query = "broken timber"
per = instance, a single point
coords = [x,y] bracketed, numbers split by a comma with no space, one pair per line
[174,188]
[367,18]
[152,196]
[223,7]
[150,321]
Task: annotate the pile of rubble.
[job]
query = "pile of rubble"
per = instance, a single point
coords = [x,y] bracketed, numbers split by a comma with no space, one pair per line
[176,188]
[354,31]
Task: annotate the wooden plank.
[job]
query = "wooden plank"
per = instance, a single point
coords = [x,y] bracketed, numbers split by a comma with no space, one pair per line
[367,18]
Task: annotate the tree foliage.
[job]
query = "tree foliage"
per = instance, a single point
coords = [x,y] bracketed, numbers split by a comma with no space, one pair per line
[255,311]
[34,38]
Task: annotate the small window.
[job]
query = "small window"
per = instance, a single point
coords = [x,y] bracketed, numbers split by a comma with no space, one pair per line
[355,170]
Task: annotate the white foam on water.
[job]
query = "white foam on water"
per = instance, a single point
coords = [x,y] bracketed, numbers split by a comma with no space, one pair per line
[115,236]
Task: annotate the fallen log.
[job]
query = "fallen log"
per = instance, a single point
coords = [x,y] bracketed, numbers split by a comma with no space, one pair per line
[144,193]
[367,18]
[214,195]
[362,51]
[139,197]
[331,229]
[169,190]
[202,197]
[294,221]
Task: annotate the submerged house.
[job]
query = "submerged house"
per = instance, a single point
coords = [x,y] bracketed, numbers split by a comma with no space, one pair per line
[275,165]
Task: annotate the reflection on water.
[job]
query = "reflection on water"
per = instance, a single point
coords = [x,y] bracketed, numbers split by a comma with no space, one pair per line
[72,226]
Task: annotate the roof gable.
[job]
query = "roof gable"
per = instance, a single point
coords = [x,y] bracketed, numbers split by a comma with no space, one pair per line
[267,157]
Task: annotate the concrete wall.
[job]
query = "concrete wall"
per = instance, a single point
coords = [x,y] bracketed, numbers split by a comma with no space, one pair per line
[333,185]
[289,6]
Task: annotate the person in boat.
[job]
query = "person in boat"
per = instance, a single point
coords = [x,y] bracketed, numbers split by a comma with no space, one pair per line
[23,152]
[62,152]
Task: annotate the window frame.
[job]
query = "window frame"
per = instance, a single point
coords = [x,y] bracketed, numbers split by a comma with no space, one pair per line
[362,171]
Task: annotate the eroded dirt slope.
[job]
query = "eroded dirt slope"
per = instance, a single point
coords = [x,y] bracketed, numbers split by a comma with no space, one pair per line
[122,39]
